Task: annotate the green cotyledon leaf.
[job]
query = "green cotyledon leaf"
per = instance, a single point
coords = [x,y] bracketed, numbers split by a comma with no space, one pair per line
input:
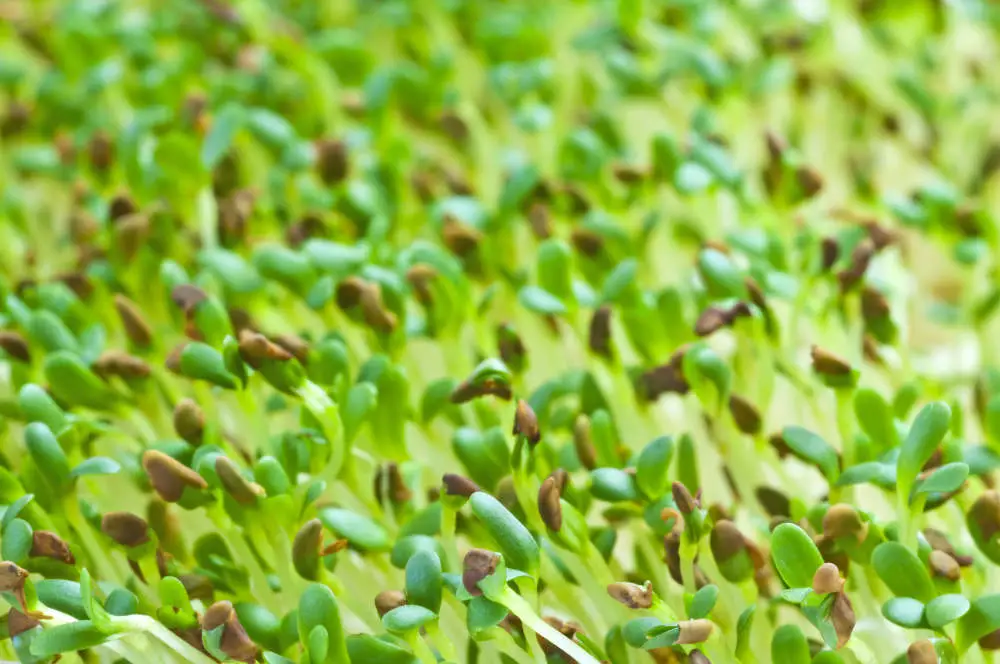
[795,555]
[926,433]
[515,540]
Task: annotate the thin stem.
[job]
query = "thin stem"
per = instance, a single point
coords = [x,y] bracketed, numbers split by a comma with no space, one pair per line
[520,608]
[448,517]
[443,643]
[687,554]
[505,644]
[420,648]
[144,624]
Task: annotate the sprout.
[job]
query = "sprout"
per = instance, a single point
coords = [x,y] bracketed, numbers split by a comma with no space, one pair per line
[415,333]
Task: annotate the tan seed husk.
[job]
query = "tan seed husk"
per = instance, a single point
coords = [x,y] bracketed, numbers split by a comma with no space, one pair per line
[540,220]
[985,512]
[685,502]
[11,576]
[715,318]
[460,238]
[295,345]
[197,586]
[510,346]
[101,150]
[991,641]
[236,485]
[187,297]
[459,485]
[19,623]
[873,304]
[726,541]
[697,657]
[921,652]
[599,332]
[632,595]
[745,414]
[46,544]
[173,359]
[387,600]
[477,565]
[694,631]
[629,173]
[583,443]
[827,579]
[398,491]
[843,618]
[302,230]
[830,252]
[860,259]
[308,539]
[125,528]
[255,349]
[587,242]
[774,502]
[136,328]
[467,391]
[235,642]
[810,181]
[526,422]
[189,421]
[828,364]
[420,277]
[170,477]
[121,364]
[842,520]
[375,314]
[549,506]
[943,566]
[15,345]
[331,160]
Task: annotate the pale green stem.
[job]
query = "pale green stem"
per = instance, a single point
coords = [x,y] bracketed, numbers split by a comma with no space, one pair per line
[530,620]
[448,516]
[443,643]
[103,567]
[420,648]
[145,624]
[687,554]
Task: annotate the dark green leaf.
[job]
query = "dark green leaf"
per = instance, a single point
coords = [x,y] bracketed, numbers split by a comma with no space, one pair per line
[96,466]
[484,614]
[516,542]
[225,125]
[651,468]
[812,448]
[406,618]
[703,601]
[946,609]
[15,545]
[982,618]
[902,571]
[614,485]
[795,555]
[366,649]
[904,611]
[944,479]
[67,638]
[540,301]
[423,580]
[926,433]
[360,531]
[789,646]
